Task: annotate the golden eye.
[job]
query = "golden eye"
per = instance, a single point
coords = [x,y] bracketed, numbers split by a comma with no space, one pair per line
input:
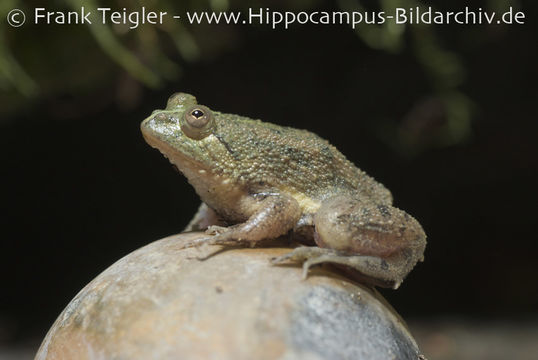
[198,122]
[197,118]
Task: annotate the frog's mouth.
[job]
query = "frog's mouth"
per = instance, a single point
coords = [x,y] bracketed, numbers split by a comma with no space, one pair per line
[182,163]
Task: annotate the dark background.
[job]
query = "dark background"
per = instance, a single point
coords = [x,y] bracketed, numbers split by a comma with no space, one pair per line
[80,188]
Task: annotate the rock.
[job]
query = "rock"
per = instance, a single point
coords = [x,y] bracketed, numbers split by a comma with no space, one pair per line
[162,302]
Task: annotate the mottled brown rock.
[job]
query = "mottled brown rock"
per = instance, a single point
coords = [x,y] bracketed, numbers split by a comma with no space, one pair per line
[161,302]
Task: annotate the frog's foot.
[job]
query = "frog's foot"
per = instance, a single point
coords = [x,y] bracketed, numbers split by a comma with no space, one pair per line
[222,237]
[309,256]
[373,268]
[216,236]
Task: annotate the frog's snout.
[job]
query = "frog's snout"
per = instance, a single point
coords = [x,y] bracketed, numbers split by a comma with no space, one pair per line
[148,124]
[160,125]
[157,120]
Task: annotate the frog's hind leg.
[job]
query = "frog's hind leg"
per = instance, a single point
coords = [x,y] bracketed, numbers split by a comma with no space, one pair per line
[373,269]
[382,243]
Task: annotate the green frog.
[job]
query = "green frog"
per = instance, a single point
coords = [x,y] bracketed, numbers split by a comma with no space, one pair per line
[260,181]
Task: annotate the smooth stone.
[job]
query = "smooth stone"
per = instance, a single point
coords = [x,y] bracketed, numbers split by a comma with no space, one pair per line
[163,302]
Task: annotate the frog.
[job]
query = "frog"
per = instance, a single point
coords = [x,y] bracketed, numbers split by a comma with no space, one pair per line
[259,181]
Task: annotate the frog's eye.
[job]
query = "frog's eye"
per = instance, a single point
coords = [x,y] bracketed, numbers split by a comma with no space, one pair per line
[198,122]
[197,117]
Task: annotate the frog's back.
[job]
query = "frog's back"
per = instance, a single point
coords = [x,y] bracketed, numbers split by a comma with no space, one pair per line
[292,160]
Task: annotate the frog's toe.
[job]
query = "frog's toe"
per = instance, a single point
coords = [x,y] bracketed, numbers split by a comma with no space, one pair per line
[224,238]
[197,243]
[298,254]
[309,256]
[280,259]
[318,259]
[216,230]
[306,267]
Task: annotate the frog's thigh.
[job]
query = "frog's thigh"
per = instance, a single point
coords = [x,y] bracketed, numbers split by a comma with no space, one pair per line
[204,218]
[380,241]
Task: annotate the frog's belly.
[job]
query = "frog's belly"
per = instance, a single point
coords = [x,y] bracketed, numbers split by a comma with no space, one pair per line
[307,204]
[236,205]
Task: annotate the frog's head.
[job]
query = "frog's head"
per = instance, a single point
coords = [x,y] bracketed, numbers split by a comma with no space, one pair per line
[186,133]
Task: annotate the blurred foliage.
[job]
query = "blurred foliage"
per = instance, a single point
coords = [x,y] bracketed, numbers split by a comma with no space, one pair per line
[11,73]
[43,66]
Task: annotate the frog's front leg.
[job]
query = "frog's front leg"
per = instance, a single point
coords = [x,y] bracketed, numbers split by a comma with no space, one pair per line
[382,242]
[275,215]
